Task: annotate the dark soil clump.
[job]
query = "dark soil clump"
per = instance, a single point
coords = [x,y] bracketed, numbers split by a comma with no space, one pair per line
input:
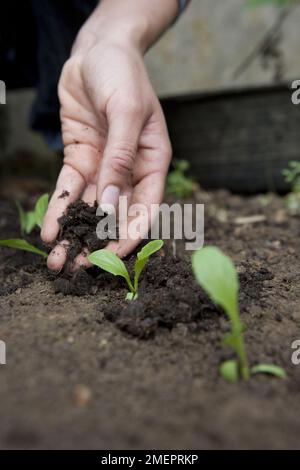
[79,283]
[78,227]
[64,194]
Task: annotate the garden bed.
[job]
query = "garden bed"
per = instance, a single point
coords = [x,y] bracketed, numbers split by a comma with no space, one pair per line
[85,369]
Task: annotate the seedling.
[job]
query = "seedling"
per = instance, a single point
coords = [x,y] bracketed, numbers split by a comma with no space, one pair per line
[31,219]
[20,244]
[292,178]
[178,183]
[111,263]
[217,275]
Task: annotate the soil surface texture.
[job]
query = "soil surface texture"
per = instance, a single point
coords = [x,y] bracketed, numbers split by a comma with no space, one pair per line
[88,370]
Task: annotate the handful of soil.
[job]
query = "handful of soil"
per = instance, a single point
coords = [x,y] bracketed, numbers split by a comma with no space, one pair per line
[78,227]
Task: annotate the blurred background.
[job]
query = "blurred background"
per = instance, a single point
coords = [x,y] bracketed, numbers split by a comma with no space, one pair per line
[224,72]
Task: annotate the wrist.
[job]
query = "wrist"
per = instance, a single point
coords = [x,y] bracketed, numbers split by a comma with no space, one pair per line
[124,22]
[130,31]
[132,35]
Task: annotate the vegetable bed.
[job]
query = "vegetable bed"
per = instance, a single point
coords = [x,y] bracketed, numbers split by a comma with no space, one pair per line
[88,369]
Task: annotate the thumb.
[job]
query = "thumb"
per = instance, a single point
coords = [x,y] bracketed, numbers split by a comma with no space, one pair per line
[119,156]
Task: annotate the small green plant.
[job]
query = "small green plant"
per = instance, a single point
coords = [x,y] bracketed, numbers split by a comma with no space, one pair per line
[178,183]
[292,178]
[217,275]
[111,263]
[20,244]
[31,219]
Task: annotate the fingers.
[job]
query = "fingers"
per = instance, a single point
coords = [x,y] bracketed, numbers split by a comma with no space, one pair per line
[81,261]
[149,182]
[69,186]
[58,256]
[89,194]
[150,172]
[119,154]
[147,196]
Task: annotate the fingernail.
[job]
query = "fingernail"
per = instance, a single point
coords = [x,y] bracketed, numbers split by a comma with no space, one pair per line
[111,196]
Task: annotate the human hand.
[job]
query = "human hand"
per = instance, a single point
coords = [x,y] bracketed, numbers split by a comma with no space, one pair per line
[115,138]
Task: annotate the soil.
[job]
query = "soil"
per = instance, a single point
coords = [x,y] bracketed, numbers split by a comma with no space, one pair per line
[78,228]
[87,370]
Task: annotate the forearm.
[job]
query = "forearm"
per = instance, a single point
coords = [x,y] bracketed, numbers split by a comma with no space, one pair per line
[139,22]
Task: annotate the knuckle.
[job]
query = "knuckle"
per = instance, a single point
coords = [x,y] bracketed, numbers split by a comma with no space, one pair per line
[66,71]
[131,107]
[69,73]
[166,151]
[122,158]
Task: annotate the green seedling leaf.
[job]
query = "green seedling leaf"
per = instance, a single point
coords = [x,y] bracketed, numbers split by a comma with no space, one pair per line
[111,263]
[20,244]
[27,219]
[22,217]
[229,370]
[217,275]
[41,209]
[131,296]
[231,339]
[269,369]
[149,249]
[143,257]
[30,221]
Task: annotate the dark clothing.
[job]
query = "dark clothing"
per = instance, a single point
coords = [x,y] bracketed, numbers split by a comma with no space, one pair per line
[36,37]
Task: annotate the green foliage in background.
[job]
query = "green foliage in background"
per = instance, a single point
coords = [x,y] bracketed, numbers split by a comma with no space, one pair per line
[178,183]
[31,219]
[28,221]
[292,178]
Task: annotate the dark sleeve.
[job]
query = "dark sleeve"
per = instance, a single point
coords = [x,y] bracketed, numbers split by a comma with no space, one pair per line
[182,5]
